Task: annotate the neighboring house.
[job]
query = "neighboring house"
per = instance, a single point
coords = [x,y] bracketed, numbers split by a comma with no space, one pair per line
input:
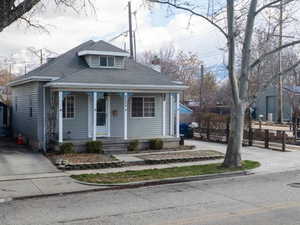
[266,104]
[95,91]
[186,114]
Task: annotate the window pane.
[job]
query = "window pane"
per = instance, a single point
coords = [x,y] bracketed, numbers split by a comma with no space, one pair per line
[101,119]
[103,61]
[149,107]
[68,107]
[119,61]
[111,60]
[137,107]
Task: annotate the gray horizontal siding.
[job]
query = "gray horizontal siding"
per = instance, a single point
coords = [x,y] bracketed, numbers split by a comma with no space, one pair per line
[22,123]
[77,128]
[117,115]
[146,127]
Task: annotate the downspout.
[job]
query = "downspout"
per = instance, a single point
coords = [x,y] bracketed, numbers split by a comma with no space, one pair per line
[44,119]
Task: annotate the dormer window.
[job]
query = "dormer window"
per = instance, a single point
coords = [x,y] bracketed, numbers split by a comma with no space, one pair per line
[102,59]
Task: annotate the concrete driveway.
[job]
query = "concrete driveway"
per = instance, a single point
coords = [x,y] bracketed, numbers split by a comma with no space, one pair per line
[17,160]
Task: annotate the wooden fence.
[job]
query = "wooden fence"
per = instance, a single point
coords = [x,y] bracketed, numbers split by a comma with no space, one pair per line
[216,128]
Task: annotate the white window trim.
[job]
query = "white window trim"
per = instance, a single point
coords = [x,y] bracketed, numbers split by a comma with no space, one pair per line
[70,118]
[97,65]
[142,117]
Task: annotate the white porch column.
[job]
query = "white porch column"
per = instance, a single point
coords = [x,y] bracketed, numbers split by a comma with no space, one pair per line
[108,115]
[177,115]
[164,115]
[94,115]
[125,114]
[60,116]
[171,115]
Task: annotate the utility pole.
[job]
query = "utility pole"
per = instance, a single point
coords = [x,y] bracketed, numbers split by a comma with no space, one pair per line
[134,44]
[130,30]
[201,87]
[280,98]
[41,56]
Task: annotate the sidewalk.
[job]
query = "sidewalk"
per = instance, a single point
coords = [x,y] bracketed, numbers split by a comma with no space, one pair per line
[40,187]
[271,161]
[22,186]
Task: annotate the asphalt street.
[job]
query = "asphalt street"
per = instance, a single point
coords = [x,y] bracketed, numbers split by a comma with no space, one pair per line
[249,200]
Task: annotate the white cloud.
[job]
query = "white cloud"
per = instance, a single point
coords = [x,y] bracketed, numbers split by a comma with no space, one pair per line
[68,29]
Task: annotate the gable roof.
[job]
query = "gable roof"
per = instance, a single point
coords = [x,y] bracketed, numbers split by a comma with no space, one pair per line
[184,109]
[69,69]
[104,46]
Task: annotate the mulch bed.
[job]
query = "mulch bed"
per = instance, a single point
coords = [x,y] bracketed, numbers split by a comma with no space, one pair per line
[83,158]
[78,161]
[181,156]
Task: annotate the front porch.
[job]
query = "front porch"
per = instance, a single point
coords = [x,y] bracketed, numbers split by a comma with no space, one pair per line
[115,118]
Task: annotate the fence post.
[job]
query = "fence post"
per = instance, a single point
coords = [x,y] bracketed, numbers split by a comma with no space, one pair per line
[283,141]
[227,130]
[208,131]
[250,136]
[267,137]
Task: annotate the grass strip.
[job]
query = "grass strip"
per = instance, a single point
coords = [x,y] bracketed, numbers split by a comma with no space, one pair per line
[154,174]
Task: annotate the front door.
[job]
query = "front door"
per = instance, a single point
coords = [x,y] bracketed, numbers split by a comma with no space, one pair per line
[101,115]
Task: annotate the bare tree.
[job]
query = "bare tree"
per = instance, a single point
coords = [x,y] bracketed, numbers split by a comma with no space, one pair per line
[237,28]
[5,77]
[185,67]
[13,10]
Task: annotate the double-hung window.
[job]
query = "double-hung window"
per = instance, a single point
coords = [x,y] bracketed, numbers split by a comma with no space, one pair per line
[69,107]
[143,107]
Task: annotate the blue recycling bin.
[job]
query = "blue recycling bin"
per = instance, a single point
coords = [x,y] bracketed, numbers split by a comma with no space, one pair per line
[186,131]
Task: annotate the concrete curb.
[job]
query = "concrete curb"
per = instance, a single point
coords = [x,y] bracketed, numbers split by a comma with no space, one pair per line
[100,187]
[171,180]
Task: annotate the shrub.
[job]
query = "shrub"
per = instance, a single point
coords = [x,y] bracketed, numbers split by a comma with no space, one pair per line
[133,146]
[94,147]
[156,144]
[66,148]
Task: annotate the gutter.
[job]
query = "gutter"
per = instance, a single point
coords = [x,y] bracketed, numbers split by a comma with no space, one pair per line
[31,79]
[117,86]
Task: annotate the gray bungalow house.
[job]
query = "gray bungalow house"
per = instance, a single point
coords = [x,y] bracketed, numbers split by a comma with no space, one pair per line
[95,91]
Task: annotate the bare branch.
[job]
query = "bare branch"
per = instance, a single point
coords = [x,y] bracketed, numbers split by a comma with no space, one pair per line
[272,4]
[34,25]
[193,12]
[13,10]
[261,58]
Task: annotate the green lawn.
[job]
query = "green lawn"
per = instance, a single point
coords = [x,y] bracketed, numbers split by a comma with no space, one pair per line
[153,174]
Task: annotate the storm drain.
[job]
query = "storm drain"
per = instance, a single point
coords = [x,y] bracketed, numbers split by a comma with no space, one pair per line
[294,185]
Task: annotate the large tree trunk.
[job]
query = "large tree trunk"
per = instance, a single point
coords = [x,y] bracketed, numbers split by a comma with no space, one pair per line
[233,152]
